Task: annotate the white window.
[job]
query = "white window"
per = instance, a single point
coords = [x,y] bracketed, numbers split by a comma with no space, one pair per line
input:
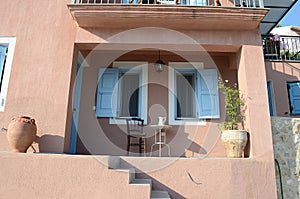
[129,89]
[7,47]
[185,94]
[123,91]
[193,94]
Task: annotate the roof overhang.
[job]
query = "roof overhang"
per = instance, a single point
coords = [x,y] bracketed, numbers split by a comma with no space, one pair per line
[277,10]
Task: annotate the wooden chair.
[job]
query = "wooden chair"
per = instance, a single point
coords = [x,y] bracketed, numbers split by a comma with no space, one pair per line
[135,132]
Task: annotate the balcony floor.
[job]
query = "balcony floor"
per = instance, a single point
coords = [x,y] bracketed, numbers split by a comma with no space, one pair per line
[174,17]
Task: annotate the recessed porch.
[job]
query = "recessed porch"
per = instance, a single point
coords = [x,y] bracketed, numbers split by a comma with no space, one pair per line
[188,137]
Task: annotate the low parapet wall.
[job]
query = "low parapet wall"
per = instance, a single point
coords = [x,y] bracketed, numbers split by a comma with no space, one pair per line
[75,176]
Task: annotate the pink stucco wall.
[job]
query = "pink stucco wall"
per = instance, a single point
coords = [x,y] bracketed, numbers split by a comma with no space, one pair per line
[41,85]
[63,176]
[40,76]
[68,176]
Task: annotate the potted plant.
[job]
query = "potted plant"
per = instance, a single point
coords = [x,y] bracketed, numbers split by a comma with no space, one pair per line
[233,139]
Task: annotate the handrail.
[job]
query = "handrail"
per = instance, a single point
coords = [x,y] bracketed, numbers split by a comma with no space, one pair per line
[281,47]
[223,3]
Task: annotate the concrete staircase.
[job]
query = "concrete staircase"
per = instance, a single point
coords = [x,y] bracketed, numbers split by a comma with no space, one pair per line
[114,164]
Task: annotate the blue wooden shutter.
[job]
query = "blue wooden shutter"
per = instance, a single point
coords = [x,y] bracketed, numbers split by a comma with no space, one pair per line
[270,97]
[3,50]
[208,94]
[294,93]
[106,97]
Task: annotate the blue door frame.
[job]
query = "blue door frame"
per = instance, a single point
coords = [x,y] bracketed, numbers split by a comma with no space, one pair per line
[76,104]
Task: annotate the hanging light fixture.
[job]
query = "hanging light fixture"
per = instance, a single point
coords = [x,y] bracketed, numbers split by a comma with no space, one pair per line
[159,64]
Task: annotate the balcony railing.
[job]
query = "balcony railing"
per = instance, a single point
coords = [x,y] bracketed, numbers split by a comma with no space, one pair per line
[281,48]
[224,3]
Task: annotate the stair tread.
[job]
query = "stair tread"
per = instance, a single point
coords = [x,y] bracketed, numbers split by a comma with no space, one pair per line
[159,194]
[142,181]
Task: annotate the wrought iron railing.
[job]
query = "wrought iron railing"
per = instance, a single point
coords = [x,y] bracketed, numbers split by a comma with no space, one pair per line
[281,47]
[225,3]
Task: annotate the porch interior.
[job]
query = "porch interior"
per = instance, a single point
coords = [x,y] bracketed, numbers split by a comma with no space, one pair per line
[100,136]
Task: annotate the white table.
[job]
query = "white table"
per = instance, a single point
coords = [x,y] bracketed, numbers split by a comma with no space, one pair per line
[160,137]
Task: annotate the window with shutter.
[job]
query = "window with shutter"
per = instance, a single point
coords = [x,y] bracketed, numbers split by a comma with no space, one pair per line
[193,95]
[122,92]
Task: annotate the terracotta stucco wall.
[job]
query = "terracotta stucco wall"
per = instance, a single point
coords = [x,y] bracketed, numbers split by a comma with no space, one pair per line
[69,176]
[41,69]
[279,73]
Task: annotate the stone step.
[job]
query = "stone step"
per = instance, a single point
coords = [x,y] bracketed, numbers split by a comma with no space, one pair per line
[114,162]
[142,182]
[130,171]
[159,195]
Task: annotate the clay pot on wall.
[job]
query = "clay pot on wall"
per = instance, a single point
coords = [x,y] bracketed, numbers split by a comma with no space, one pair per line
[21,133]
[234,142]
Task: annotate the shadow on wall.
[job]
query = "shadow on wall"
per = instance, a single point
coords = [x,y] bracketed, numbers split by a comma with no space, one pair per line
[45,143]
[180,143]
[49,143]
[156,185]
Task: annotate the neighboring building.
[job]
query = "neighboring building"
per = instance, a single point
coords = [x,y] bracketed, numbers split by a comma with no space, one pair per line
[282,48]
[53,55]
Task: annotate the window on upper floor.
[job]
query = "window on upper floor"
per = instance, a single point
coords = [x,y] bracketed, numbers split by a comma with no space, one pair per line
[122,92]
[294,97]
[7,46]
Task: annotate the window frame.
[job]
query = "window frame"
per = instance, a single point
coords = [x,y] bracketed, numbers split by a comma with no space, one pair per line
[142,68]
[183,66]
[130,71]
[10,42]
[184,72]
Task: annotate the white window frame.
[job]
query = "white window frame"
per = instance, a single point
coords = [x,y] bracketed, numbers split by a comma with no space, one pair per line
[172,90]
[11,43]
[143,66]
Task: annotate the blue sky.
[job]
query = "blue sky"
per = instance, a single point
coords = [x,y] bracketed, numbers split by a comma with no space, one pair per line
[293,16]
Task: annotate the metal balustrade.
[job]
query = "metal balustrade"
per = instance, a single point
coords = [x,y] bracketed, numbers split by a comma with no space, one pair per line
[281,47]
[223,3]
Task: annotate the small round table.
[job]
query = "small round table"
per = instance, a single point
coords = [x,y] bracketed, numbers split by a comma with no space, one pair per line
[160,137]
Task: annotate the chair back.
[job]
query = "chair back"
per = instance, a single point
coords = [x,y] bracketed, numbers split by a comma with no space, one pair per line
[134,126]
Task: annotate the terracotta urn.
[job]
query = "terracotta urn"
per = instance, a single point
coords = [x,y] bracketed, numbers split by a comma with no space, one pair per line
[21,133]
[234,142]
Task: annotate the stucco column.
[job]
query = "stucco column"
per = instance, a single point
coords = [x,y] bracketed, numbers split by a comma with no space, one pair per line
[253,85]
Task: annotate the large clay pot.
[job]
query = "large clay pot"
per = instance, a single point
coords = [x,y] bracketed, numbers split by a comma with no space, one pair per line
[234,142]
[21,133]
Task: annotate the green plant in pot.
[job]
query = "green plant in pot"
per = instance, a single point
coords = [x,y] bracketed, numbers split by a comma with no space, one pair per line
[234,140]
